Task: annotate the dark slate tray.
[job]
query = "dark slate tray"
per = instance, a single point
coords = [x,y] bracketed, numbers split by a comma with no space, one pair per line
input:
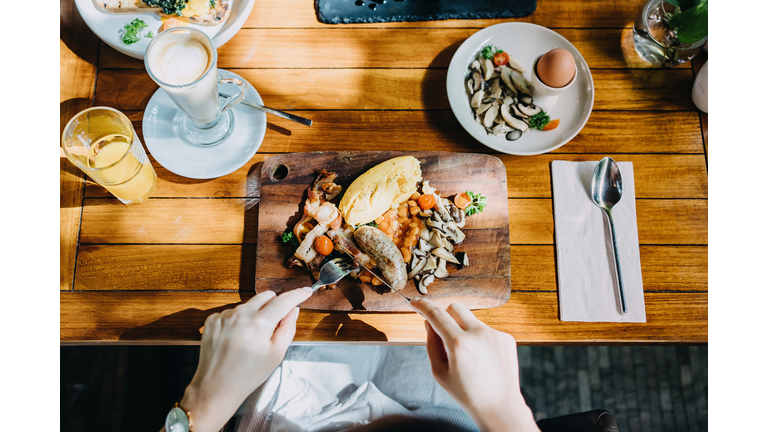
[373,11]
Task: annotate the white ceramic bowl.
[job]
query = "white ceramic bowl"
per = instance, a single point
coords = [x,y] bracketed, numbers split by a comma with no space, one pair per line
[107,26]
[525,42]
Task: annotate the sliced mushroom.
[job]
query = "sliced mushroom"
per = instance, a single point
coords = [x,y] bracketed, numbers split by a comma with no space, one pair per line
[424,233]
[431,264]
[425,282]
[463,220]
[441,271]
[454,232]
[426,213]
[495,94]
[424,246]
[517,112]
[516,65]
[490,115]
[526,100]
[465,260]
[483,108]
[494,85]
[477,119]
[435,224]
[475,65]
[444,254]
[435,240]
[514,135]
[500,129]
[476,99]
[470,86]
[477,81]
[420,265]
[515,123]
[528,110]
[418,252]
[506,76]
[521,83]
[509,100]
[487,68]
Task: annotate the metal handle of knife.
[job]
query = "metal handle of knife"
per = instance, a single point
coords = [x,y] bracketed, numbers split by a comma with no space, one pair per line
[285,115]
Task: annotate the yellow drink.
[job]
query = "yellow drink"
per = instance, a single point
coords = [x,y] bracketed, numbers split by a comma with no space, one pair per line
[101,142]
[122,174]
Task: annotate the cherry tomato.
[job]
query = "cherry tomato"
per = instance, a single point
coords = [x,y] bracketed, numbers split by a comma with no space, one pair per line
[462,200]
[426,201]
[324,245]
[552,124]
[500,59]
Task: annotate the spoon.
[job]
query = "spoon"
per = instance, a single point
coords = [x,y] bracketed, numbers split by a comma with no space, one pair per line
[606,192]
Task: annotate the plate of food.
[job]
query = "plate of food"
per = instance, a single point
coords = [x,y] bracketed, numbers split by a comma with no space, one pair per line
[129,25]
[520,88]
[426,224]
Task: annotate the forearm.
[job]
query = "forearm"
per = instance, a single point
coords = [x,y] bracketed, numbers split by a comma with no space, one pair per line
[513,416]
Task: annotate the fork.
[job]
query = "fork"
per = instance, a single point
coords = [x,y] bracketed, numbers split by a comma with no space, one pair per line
[333,271]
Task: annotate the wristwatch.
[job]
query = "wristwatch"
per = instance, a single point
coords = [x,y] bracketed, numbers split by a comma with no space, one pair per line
[178,420]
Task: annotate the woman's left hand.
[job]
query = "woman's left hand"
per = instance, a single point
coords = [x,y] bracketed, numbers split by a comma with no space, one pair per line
[240,349]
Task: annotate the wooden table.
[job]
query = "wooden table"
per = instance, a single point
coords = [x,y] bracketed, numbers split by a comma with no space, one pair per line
[152,273]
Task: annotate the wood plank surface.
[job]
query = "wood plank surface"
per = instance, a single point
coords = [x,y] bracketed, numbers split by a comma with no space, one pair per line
[176,317]
[606,132]
[400,89]
[78,50]
[533,268]
[656,176]
[234,220]
[231,267]
[549,13]
[672,222]
[383,48]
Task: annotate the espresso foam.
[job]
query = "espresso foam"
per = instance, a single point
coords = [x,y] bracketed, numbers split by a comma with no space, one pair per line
[179,59]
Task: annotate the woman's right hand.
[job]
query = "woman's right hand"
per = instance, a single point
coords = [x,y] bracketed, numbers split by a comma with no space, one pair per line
[477,366]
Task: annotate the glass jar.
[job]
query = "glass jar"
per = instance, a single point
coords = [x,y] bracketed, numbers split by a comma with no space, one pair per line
[656,42]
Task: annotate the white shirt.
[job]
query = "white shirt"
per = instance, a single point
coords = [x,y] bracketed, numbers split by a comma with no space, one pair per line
[334,388]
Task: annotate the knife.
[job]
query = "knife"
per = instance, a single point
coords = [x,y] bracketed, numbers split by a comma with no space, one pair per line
[377,277]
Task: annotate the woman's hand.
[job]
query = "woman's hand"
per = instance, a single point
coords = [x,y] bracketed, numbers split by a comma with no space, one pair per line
[477,366]
[240,349]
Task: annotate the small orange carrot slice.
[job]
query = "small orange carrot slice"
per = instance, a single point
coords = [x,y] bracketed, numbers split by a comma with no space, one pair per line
[552,124]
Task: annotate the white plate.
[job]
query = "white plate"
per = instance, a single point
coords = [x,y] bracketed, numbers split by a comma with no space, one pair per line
[523,42]
[203,162]
[108,26]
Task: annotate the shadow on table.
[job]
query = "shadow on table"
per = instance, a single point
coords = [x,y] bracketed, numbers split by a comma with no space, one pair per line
[184,326]
[347,329]
[438,118]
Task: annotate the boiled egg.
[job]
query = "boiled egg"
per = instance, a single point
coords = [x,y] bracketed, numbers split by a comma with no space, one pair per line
[556,68]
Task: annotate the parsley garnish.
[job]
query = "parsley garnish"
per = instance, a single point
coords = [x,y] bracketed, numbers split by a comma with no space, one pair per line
[477,205]
[539,120]
[150,35]
[288,237]
[212,3]
[489,51]
[133,31]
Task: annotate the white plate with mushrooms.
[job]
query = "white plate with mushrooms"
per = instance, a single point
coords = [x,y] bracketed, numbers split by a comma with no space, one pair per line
[524,42]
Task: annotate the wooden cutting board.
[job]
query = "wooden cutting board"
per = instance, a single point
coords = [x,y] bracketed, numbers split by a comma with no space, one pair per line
[484,283]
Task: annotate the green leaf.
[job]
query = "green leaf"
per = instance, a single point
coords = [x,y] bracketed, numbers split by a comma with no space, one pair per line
[477,205]
[132,30]
[539,120]
[673,2]
[288,237]
[692,24]
[686,4]
[489,51]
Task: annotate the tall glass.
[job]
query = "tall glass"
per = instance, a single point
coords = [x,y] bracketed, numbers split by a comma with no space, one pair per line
[102,143]
[656,42]
[182,61]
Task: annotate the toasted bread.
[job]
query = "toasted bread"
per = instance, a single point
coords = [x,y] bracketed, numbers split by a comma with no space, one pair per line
[210,17]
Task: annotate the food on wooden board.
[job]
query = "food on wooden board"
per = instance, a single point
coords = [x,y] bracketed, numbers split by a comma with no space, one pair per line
[500,96]
[414,235]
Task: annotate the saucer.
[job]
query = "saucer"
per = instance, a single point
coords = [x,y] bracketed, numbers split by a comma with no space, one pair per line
[201,162]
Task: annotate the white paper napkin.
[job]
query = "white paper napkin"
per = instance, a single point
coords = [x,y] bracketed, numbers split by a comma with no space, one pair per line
[587,287]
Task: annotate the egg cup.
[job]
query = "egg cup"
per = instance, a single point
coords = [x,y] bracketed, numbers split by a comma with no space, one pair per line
[545,96]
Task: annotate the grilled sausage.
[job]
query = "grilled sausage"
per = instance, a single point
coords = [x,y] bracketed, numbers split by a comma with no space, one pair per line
[388,258]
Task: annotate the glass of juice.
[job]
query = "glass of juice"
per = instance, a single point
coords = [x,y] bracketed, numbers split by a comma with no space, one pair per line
[101,142]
